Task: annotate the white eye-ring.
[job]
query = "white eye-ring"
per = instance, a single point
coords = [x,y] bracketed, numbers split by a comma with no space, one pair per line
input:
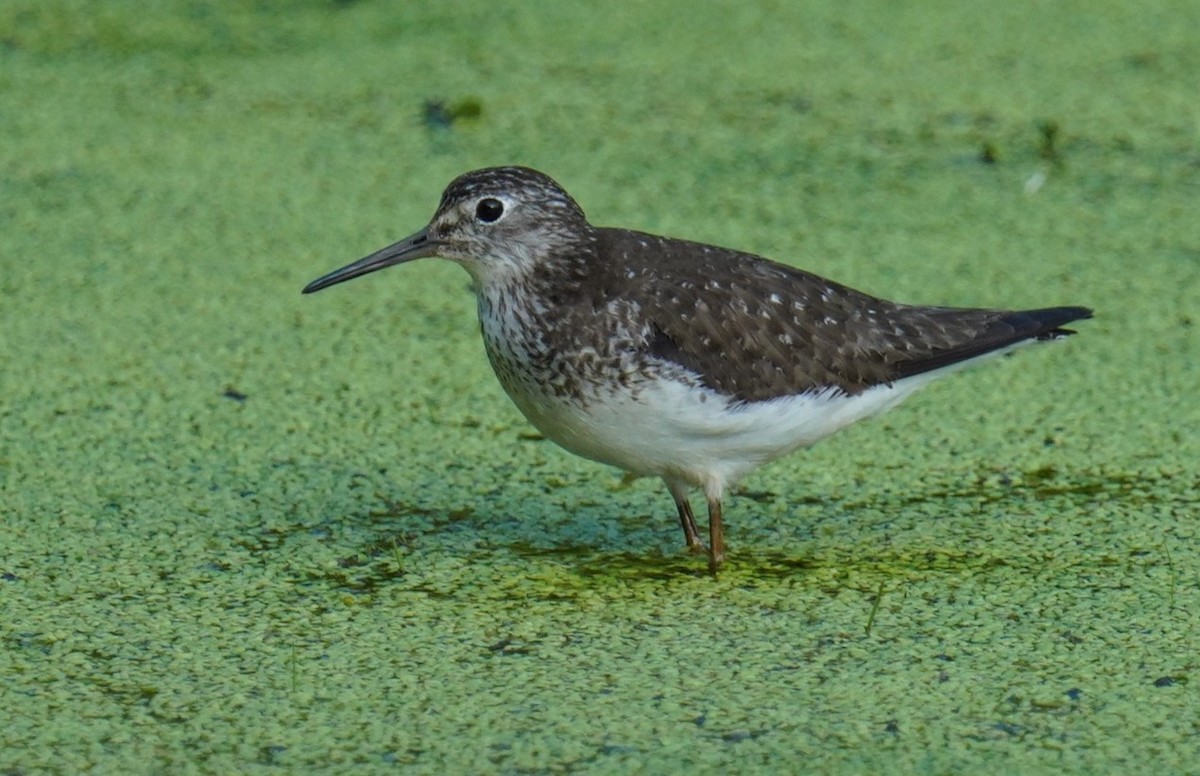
[489,210]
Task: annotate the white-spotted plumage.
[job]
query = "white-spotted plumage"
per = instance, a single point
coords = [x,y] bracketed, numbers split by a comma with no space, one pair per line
[689,362]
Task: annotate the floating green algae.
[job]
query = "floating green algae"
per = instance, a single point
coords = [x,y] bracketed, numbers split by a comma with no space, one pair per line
[246,529]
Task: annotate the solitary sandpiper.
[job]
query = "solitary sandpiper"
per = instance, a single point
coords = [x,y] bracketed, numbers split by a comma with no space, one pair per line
[685,361]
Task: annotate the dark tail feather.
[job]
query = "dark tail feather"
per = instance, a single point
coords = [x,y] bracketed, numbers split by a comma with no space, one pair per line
[1005,329]
[1044,324]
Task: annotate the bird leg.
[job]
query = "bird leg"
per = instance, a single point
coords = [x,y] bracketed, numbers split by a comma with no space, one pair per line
[687,520]
[716,534]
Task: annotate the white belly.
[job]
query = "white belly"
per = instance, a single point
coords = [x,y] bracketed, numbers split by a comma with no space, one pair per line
[690,434]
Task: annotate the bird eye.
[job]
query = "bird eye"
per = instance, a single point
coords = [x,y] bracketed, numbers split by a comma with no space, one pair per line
[489,210]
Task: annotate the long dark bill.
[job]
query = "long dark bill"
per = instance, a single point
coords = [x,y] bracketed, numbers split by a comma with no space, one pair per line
[415,246]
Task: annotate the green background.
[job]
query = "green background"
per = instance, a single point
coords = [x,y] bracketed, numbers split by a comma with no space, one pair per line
[245,530]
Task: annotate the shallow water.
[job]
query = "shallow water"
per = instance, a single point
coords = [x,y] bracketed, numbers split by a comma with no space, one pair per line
[244,528]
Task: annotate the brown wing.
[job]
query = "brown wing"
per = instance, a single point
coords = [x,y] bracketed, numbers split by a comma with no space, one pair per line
[759,330]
